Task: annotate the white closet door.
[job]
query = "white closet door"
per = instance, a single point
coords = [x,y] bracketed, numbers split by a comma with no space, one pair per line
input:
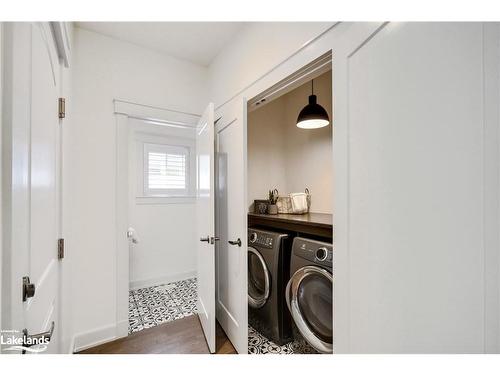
[231,224]
[409,135]
[205,217]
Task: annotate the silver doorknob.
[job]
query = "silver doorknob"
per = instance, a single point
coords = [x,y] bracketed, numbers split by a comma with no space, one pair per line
[132,235]
[213,239]
[237,242]
[205,239]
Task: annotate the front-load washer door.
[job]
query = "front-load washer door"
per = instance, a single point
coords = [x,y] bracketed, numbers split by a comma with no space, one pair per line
[309,297]
[259,280]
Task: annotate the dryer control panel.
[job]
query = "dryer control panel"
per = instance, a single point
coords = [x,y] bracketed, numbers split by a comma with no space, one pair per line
[314,251]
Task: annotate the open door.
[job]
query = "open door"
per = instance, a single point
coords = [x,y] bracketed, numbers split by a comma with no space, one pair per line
[205,214]
[32,188]
[231,224]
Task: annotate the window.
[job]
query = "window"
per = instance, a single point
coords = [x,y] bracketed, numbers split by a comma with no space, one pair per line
[166,170]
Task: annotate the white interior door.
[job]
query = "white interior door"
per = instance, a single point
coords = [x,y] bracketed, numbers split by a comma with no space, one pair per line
[231,225]
[32,180]
[411,214]
[205,217]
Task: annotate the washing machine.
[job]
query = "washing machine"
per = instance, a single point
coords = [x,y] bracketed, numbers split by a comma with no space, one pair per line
[268,272]
[309,292]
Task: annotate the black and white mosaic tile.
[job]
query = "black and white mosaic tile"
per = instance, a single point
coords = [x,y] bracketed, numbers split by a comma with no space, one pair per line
[259,344]
[149,307]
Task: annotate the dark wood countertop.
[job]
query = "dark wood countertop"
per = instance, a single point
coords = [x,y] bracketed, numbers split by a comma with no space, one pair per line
[312,223]
[322,220]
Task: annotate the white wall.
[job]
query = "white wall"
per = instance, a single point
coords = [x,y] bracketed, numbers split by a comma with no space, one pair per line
[254,51]
[165,227]
[283,156]
[104,69]
[266,150]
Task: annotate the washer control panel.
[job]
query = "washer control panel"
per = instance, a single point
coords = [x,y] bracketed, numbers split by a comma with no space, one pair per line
[263,239]
[315,251]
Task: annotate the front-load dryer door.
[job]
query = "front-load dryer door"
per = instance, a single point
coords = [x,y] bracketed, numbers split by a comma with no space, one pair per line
[309,297]
[259,279]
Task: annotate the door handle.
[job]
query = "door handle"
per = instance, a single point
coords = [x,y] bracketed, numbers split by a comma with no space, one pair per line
[28,288]
[37,339]
[237,242]
[210,240]
[131,235]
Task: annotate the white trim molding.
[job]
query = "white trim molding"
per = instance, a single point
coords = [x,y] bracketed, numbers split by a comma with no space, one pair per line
[154,114]
[95,337]
[60,31]
[137,284]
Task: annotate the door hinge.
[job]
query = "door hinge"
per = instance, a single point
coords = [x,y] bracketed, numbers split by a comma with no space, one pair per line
[60,248]
[62,108]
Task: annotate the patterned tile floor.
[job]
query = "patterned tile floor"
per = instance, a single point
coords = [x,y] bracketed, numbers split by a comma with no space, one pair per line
[259,344]
[149,307]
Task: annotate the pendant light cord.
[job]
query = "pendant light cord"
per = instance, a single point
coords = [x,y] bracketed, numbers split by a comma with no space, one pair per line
[312,87]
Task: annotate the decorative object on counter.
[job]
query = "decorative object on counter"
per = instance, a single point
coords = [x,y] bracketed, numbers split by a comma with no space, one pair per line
[260,206]
[299,203]
[284,205]
[308,199]
[272,209]
[295,203]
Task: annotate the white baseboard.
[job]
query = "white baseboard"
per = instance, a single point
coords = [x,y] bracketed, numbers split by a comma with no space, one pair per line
[99,336]
[136,284]
[71,346]
[122,328]
[94,337]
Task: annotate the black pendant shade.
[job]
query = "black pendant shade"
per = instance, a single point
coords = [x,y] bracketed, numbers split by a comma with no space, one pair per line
[313,116]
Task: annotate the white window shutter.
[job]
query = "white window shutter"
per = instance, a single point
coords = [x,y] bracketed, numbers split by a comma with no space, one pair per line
[165,170]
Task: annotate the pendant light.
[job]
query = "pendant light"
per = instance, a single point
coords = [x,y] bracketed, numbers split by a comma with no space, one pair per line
[313,116]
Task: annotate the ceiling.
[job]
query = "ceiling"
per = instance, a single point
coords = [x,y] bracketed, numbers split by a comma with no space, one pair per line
[198,42]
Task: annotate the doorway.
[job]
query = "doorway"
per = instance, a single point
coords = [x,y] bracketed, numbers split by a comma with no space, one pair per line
[156,165]
[161,231]
[234,203]
[290,286]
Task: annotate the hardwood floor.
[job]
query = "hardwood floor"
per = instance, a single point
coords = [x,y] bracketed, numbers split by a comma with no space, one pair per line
[182,336]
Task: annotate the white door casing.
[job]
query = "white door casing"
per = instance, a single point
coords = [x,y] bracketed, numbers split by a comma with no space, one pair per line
[125,111]
[231,224]
[205,218]
[32,178]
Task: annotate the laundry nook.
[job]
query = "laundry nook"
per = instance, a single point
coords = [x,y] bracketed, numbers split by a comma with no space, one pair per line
[290,218]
